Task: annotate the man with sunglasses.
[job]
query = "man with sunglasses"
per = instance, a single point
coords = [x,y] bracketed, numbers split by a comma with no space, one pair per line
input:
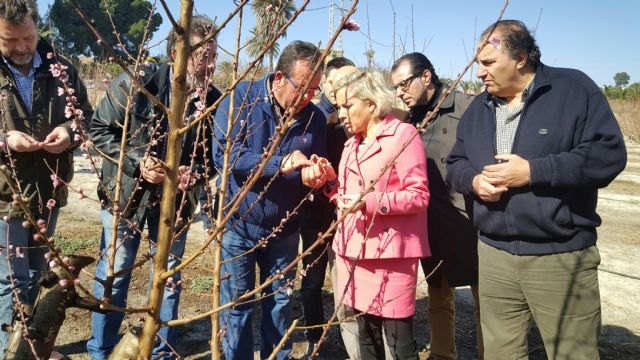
[452,236]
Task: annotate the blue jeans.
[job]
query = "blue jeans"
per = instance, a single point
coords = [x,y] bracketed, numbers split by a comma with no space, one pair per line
[25,265]
[105,327]
[239,276]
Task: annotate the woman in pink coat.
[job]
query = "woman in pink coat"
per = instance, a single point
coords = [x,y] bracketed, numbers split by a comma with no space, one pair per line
[381,240]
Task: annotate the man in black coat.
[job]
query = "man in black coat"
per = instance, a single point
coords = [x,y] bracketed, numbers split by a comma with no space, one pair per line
[142,177]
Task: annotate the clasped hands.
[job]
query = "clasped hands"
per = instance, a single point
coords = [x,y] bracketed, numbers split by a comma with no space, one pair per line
[56,142]
[315,171]
[511,171]
[153,171]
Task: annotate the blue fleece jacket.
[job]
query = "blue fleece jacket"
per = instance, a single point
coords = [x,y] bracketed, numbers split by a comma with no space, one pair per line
[574,146]
[252,134]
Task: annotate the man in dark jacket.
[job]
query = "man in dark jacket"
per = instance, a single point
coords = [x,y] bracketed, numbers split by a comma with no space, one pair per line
[452,237]
[142,177]
[532,151]
[36,147]
[265,229]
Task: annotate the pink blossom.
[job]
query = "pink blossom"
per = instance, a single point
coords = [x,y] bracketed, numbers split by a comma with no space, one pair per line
[65,283]
[55,70]
[351,25]
[64,77]
[199,105]
[77,137]
[105,81]
[79,112]
[56,181]
[53,263]
[26,224]
[51,203]
[19,252]
[49,55]
[81,194]
[269,8]
[60,91]
[41,222]
[68,111]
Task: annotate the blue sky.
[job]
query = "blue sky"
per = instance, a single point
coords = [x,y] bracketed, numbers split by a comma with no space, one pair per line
[598,37]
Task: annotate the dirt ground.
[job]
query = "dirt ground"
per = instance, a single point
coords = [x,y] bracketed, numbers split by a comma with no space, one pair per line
[619,244]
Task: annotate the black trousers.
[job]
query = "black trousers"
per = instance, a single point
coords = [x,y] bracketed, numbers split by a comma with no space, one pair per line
[398,332]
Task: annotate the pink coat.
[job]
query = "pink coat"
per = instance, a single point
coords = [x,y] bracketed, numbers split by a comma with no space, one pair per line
[393,223]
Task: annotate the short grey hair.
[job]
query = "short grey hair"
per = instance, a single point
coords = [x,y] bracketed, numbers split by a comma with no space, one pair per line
[368,85]
[15,11]
[200,26]
[295,51]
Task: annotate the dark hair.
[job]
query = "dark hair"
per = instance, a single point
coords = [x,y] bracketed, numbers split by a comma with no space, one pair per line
[15,11]
[419,63]
[200,25]
[337,63]
[517,39]
[297,50]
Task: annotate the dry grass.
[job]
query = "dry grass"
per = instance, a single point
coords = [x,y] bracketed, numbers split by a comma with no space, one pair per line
[628,114]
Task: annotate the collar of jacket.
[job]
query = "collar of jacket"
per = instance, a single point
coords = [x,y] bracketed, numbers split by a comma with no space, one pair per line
[387,128]
[541,83]
[418,113]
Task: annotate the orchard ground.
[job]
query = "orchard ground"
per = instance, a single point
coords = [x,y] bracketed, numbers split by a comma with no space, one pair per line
[619,205]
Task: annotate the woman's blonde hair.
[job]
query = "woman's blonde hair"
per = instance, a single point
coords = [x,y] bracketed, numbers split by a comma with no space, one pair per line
[367,85]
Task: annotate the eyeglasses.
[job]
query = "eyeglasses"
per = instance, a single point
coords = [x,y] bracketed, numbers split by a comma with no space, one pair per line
[404,84]
[297,87]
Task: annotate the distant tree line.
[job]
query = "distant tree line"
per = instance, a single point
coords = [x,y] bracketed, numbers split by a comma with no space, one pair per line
[622,90]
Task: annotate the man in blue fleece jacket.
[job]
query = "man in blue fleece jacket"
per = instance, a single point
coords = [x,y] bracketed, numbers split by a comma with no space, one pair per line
[265,229]
[533,150]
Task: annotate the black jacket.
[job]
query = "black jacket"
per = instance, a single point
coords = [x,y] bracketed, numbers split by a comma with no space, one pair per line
[452,237]
[48,112]
[145,123]
[574,146]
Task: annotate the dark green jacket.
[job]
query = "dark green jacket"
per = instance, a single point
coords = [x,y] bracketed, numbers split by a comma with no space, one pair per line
[32,169]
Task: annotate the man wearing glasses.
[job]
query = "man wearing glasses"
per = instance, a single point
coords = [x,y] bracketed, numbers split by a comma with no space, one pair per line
[452,237]
[265,228]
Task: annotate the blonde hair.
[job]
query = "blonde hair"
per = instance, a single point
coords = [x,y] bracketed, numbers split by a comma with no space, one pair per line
[368,85]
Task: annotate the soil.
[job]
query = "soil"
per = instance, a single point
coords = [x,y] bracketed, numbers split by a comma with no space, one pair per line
[619,244]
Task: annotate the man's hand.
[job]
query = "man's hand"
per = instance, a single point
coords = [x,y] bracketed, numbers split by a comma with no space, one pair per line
[316,175]
[487,191]
[21,142]
[57,141]
[511,171]
[152,170]
[293,162]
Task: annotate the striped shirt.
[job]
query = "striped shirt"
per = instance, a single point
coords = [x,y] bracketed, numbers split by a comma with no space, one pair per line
[24,83]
